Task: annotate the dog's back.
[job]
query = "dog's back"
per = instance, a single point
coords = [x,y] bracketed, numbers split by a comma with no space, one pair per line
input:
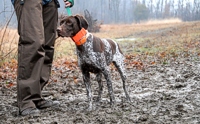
[94,55]
[100,50]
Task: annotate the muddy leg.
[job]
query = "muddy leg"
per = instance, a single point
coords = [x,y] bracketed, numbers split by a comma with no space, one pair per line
[99,76]
[120,68]
[106,73]
[86,79]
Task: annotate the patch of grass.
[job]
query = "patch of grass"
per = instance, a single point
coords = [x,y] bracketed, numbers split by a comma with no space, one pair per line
[151,38]
[64,47]
[8,44]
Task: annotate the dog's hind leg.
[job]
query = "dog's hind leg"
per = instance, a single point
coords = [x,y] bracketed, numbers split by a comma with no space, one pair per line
[86,79]
[98,77]
[120,67]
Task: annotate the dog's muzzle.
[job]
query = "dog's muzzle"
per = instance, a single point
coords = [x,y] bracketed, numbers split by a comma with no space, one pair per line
[59,32]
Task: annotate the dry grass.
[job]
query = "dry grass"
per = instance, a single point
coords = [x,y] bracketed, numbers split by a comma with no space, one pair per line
[8,43]
[165,36]
[127,30]
[64,47]
[163,21]
[151,37]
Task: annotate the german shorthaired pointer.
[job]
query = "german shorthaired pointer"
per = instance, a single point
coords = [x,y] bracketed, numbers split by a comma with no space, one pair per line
[94,55]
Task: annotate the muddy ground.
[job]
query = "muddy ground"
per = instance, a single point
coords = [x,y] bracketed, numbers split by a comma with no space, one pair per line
[165,93]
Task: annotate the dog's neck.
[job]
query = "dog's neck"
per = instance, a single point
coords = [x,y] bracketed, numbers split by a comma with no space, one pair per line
[81,37]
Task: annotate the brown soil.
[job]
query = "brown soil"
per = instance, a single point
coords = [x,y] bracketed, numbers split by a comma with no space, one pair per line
[162,93]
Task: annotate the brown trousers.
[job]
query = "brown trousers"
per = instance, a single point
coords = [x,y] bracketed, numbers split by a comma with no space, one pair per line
[37,30]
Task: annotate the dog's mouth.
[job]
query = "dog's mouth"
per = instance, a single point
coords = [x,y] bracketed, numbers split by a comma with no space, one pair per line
[60,35]
[60,32]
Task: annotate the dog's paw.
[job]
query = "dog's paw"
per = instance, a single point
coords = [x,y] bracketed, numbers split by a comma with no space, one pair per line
[98,100]
[128,99]
[112,102]
[90,107]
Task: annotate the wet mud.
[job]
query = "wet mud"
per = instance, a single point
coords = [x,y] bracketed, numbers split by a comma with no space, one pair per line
[160,94]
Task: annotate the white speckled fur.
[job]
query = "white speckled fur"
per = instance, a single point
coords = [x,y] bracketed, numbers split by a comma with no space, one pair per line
[95,60]
[89,61]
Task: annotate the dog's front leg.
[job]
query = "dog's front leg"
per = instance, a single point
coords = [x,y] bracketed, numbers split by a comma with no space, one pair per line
[86,79]
[106,73]
[98,77]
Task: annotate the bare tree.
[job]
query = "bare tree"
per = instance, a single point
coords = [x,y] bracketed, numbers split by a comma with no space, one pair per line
[166,13]
[196,10]
[121,11]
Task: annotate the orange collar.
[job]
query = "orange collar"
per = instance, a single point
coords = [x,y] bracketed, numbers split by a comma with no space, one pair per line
[80,38]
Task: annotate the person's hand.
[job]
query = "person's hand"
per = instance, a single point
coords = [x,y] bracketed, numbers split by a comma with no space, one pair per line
[67,3]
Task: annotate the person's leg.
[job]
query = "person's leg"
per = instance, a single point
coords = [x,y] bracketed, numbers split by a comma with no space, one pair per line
[50,18]
[30,52]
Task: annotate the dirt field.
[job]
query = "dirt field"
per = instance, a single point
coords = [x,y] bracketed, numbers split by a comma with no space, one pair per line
[160,94]
[163,82]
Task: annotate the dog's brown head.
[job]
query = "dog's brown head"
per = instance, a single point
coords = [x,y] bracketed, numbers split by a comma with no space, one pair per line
[71,25]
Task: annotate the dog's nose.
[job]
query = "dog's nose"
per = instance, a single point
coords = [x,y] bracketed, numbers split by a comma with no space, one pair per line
[59,29]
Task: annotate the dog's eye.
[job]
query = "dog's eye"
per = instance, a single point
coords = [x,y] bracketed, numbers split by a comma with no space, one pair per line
[62,22]
[69,23]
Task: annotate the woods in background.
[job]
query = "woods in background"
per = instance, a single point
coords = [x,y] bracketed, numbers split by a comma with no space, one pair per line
[124,11]
[129,11]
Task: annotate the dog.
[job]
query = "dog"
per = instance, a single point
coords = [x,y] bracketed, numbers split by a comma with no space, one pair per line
[94,55]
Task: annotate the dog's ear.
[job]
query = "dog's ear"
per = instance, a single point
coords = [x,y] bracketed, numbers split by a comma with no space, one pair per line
[82,22]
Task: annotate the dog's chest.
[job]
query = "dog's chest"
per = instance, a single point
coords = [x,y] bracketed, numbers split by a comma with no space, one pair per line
[95,53]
